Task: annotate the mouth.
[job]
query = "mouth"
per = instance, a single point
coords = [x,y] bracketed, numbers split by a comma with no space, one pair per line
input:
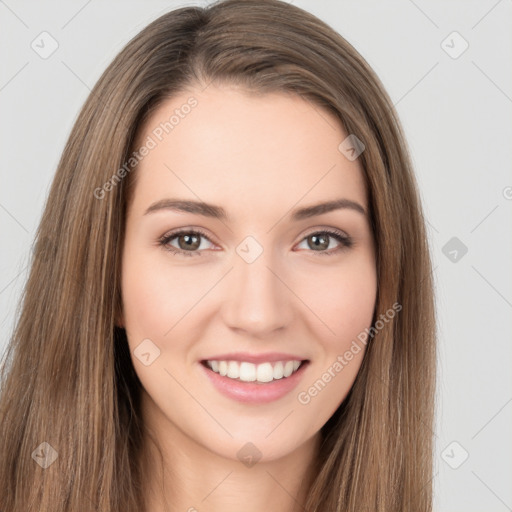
[244,371]
[254,383]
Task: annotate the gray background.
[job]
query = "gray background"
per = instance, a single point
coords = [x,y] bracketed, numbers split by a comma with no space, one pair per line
[456,114]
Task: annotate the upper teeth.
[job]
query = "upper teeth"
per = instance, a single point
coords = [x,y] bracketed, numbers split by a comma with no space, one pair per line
[250,372]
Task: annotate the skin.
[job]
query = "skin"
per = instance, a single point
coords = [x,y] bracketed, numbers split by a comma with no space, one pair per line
[259,157]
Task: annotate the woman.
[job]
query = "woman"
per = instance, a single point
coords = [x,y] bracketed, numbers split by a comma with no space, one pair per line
[230,302]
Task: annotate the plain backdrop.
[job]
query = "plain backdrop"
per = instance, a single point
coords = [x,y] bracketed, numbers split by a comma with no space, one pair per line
[447,67]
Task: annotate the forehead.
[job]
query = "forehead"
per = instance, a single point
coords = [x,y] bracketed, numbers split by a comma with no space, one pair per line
[245,151]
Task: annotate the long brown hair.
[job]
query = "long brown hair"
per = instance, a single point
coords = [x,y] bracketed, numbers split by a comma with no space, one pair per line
[67,378]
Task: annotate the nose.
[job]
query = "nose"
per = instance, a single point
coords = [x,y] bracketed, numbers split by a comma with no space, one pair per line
[259,301]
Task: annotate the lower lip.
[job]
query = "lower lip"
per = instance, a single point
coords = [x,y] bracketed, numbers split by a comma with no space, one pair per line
[254,392]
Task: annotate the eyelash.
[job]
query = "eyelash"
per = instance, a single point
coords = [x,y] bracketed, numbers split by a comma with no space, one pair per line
[345,241]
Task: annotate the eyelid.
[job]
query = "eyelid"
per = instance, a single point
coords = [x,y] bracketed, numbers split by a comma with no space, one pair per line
[325,229]
[178,231]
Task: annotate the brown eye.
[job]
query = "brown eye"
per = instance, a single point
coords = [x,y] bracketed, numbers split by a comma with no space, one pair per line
[188,242]
[320,241]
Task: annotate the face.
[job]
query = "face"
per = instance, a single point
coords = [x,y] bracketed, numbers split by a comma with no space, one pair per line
[221,303]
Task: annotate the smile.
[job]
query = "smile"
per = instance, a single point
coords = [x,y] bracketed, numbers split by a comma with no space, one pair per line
[257,382]
[251,372]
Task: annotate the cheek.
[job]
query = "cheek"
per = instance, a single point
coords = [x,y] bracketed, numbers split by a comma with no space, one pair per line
[143,301]
[156,295]
[347,310]
[343,298]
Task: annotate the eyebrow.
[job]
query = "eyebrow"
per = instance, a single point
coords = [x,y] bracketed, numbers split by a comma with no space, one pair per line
[217,212]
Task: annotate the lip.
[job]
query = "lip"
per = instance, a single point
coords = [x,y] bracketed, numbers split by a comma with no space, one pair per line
[270,357]
[255,392]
